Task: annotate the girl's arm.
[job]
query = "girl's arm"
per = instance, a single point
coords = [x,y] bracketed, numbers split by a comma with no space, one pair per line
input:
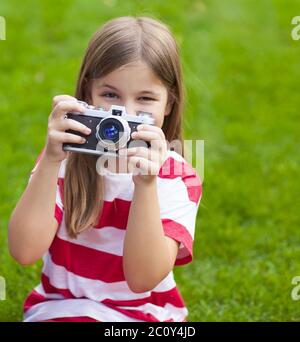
[148,254]
[32,225]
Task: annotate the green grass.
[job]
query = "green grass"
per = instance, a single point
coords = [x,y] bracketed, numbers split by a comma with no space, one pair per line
[242,78]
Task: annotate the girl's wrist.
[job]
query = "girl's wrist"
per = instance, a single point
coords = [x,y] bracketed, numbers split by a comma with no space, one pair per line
[47,162]
[144,181]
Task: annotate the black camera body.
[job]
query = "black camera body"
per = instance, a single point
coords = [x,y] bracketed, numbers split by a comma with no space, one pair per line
[110,130]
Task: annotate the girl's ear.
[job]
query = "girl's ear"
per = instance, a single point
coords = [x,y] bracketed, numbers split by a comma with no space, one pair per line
[169,105]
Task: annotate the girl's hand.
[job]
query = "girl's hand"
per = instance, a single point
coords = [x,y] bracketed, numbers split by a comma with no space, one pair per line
[58,124]
[147,161]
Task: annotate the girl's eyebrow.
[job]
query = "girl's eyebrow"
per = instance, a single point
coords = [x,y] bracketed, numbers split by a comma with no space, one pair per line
[107,86]
[148,92]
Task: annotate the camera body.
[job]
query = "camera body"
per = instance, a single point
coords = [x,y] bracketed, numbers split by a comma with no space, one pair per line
[110,130]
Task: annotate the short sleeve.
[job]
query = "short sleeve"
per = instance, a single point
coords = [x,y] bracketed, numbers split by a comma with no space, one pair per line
[58,212]
[179,194]
[37,161]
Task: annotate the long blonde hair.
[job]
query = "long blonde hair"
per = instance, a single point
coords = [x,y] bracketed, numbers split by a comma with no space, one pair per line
[120,41]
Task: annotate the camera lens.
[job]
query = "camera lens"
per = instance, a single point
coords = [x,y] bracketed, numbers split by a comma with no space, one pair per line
[110,132]
[111,129]
[113,133]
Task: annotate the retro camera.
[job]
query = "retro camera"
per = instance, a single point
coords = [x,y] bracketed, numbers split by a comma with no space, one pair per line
[110,129]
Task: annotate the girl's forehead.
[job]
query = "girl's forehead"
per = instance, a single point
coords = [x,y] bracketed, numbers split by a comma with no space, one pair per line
[137,72]
[134,67]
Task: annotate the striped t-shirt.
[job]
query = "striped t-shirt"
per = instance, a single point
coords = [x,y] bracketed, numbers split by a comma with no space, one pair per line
[83,280]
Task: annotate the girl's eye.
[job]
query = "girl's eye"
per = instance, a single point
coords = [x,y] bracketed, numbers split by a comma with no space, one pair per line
[110,95]
[146,98]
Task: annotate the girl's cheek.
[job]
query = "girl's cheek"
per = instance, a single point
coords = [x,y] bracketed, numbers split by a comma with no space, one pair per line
[158,120]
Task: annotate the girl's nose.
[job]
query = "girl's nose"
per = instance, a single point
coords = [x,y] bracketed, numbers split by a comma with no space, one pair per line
[130,108]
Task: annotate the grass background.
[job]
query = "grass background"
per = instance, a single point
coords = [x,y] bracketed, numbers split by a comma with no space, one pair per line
[242,76]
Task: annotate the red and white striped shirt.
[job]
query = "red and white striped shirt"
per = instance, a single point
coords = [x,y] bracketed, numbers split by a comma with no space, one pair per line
[82,279]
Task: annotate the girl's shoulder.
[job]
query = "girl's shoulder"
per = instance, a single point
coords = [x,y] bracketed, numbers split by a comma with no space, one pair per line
[62,169]
[177,173]
[175,165]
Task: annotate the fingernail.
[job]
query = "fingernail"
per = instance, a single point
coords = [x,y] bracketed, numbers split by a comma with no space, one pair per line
[134,134]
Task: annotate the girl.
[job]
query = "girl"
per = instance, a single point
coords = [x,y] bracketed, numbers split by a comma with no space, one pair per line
[109,241]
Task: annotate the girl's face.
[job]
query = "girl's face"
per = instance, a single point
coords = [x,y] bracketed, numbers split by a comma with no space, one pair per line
[134,86]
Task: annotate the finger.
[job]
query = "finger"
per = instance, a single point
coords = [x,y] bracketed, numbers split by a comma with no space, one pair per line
[64,107]
[151,128]
[63,137]
[56,99]
[153,137]
[138,165]
[135,151]
[142,152]
[74,125]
